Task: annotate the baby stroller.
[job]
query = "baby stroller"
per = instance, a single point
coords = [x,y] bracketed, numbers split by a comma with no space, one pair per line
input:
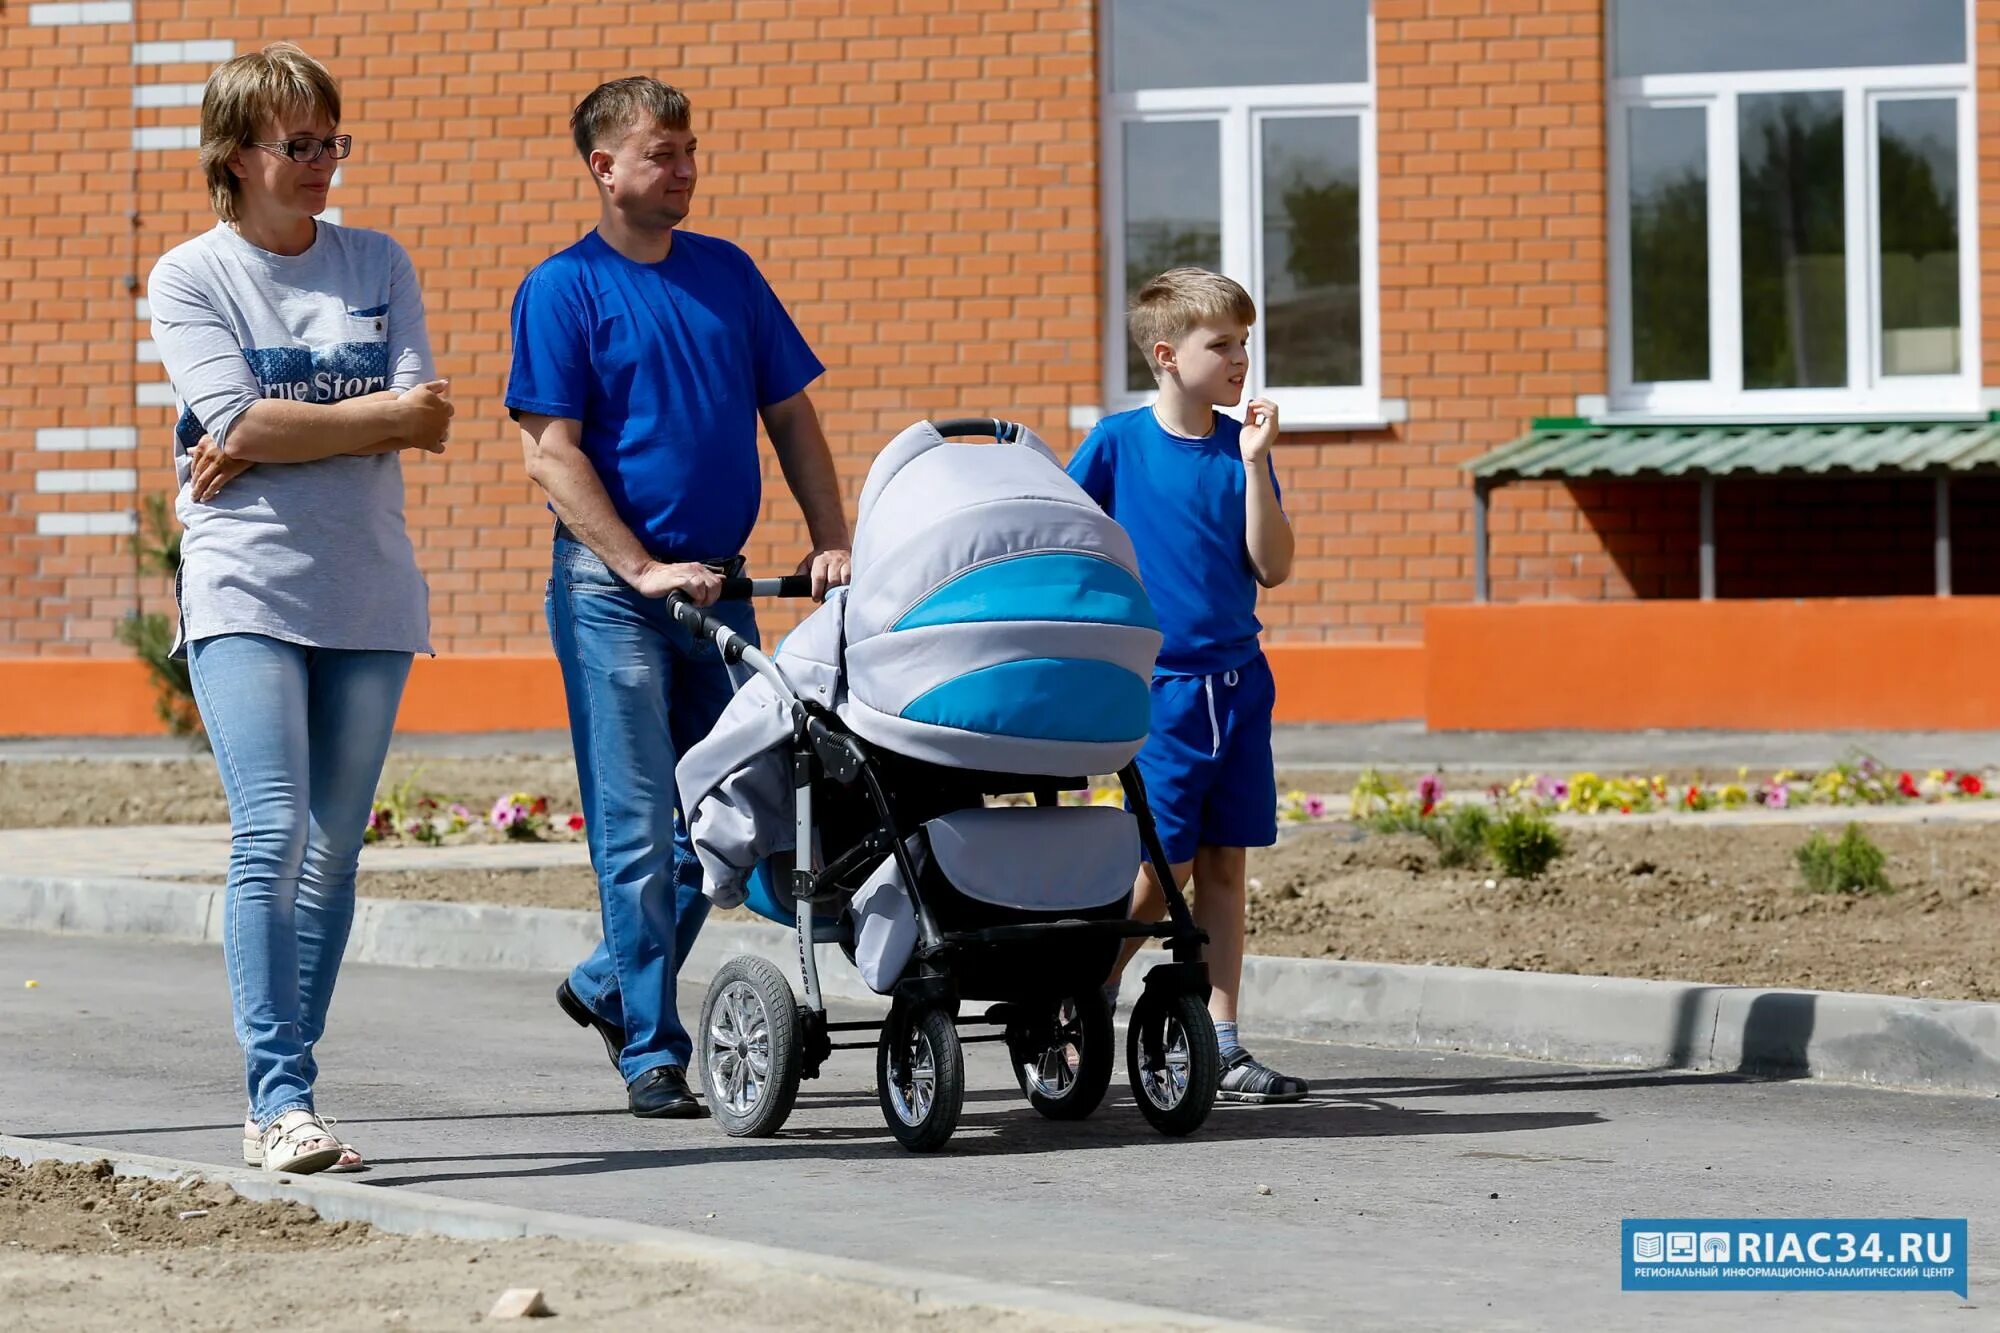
[995,641]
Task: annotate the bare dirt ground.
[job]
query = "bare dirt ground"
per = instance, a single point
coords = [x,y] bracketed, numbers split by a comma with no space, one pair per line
[84,1251]
[1685,901]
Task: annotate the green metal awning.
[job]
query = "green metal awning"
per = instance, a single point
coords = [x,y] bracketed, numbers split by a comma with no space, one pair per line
[1563,449]
[1553,450]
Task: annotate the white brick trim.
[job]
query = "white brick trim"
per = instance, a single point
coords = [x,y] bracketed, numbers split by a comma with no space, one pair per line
[142,310]
[155,395]
[87,481]
[69,16]
[71,439]
[148,352]
[167,94]
[122,523]
[165,138]
[182,53]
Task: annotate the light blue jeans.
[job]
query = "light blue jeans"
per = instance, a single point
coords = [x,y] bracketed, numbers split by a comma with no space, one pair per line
[300,735]
[641,690]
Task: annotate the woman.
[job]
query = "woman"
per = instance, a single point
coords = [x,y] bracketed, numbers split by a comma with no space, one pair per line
[298,353]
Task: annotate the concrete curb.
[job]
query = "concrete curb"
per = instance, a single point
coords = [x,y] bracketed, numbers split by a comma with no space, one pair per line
[407,1213]
[1930,1045]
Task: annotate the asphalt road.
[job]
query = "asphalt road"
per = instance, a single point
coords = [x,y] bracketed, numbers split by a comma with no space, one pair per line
[1412,1191]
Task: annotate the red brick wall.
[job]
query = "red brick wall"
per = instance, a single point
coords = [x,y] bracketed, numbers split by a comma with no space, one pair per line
[919,180]
[916,177]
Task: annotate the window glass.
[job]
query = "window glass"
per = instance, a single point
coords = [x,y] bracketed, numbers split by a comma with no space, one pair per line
[1794,240]
[1173,209]
[1918,211]
[1668,196]
[1246,43]
[1312,250]
[1716,36]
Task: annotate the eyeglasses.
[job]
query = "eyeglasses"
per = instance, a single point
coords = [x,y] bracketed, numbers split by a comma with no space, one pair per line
[309,149]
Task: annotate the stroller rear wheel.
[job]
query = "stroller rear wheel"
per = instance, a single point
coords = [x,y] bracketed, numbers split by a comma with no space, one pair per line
[750,1048]
[1062,1055]
[1171,1055]
[920,1076]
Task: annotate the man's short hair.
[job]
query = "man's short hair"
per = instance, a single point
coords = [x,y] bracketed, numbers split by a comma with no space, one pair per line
[243,93]
[1181,300]
[614,109]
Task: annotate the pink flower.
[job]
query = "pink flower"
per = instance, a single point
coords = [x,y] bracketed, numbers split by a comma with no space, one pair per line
[1315,806]
[460,812]
[1779,797]
[414,827]
[1430,790]
[505,813]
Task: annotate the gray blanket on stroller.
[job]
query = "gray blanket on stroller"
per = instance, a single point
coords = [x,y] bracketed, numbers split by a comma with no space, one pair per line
[736,786]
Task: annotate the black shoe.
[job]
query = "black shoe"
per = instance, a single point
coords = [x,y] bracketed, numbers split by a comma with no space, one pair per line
[581,1015]
[662,1094]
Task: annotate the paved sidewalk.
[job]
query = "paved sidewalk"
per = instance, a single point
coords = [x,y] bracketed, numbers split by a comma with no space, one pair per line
[1385,744]
[1414,1191]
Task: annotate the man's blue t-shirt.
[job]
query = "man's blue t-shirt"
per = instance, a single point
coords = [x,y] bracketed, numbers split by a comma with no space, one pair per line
[1181,500]
[666,365]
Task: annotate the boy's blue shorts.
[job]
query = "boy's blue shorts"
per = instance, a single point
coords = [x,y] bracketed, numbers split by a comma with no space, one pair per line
[1207,762]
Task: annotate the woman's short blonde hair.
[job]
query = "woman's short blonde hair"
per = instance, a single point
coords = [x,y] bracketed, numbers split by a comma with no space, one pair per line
[243,93]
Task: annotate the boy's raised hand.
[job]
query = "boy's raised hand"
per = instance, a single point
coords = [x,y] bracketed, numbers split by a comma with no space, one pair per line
[1260,429]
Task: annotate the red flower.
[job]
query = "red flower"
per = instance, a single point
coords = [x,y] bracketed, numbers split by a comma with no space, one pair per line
[576,823]
[1693,796]
[1907,785]
[540,807]
[1970,784]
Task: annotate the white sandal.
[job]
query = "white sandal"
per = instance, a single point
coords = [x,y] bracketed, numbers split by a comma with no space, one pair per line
[298,1143]
[350,1156]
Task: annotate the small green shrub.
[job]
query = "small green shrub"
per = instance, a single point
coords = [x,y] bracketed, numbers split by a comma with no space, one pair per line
[1525,842]
[150,634]
[1852,865]
[1401,817]
[1460,834]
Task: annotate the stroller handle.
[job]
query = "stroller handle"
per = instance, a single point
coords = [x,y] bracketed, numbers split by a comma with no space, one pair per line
[1004,431]
[791,585]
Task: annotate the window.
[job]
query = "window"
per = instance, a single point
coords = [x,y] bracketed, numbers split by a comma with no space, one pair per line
[1242,139]
[1792,211]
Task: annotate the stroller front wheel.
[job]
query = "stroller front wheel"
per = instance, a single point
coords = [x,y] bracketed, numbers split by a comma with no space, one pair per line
[920,1076]
[750,1048]
[1062,1057]
[1171,1056]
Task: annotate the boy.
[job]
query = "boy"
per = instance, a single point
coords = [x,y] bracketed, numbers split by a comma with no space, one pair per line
[1196,492]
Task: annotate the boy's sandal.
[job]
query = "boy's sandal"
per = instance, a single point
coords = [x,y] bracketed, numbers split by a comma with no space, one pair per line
[253,1149]
[299,1143]
[1244,1079]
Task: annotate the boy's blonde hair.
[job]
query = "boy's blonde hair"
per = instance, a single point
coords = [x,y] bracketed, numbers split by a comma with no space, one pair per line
[1181,300]
[241,95]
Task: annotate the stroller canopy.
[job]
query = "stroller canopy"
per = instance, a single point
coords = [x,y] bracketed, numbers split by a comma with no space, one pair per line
[995,620]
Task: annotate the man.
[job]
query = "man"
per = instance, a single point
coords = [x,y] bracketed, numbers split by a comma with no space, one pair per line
[643,358]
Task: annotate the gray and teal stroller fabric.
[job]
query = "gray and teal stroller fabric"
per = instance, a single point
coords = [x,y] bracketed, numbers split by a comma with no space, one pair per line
[995,623]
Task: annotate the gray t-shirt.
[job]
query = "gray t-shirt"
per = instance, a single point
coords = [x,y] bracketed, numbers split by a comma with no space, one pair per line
[312,553]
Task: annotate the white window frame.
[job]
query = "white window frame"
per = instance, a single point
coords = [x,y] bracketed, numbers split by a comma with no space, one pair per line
[1240,113]
[1868,392]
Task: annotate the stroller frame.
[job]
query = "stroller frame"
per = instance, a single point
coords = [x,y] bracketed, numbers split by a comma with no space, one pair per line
[1062,1053]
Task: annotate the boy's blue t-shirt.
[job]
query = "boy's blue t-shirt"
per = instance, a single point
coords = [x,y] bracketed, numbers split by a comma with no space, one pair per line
[1181,500]
[666,365]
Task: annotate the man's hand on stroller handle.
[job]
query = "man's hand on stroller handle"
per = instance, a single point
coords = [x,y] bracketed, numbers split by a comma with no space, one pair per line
[698,583]
[827,568]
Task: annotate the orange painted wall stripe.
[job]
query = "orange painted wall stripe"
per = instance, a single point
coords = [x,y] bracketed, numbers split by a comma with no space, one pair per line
[1917,663]
[523,692]
[1348,682]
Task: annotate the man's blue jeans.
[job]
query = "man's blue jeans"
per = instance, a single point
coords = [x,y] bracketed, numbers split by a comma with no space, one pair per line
[641,690]
[299,735]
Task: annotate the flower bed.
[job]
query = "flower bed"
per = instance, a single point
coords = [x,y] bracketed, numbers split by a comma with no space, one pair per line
[1856,781]
[404,814]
